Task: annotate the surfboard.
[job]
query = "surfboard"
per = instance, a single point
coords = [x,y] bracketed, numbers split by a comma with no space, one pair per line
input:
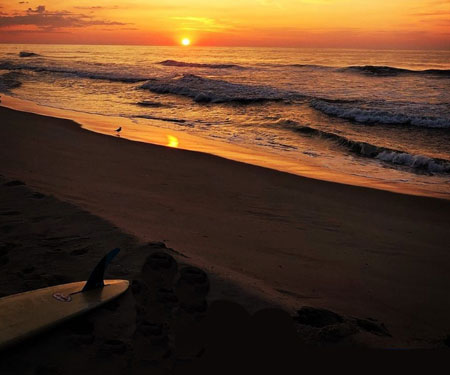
[26,314]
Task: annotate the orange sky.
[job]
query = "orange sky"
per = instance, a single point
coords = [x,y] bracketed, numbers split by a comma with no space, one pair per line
[303,23]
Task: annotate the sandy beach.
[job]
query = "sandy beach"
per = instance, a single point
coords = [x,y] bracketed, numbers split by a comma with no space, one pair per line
[264,237]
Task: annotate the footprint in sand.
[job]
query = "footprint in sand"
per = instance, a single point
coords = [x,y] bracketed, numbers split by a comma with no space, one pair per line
[167,302]
[154,288]
[159,270]
[192,288]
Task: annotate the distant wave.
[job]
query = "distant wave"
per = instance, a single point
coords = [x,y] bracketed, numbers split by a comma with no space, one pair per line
[79,73]
[198,65]
[418,163]
[348,110]
[27,54]
[391,71]
[373,70]
[10,80]
[206,90]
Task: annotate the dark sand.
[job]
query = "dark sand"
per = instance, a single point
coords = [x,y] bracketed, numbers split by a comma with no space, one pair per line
[263,237]
[174,318]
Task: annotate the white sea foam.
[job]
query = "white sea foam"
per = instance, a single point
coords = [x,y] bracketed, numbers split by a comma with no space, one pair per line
[414,161]
[206,90]
[367,115]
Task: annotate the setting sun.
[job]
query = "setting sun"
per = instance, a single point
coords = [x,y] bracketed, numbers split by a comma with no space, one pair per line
[185,42]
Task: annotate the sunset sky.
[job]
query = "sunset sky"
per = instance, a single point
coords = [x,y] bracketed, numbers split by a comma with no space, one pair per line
[297,23]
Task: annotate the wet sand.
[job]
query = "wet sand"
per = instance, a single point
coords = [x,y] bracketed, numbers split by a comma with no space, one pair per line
[280,238]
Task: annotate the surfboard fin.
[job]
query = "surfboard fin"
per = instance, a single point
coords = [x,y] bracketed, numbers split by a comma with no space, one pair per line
[96,278]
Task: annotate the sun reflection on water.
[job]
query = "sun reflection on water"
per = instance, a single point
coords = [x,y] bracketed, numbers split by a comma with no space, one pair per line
[172,141]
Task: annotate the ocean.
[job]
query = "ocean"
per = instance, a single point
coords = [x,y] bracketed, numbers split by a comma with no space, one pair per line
[380,115]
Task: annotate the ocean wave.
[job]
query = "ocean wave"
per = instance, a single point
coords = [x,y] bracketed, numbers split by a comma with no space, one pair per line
[207,90]
[10,80]
[386,71]
[182,64]
[418,163]
[28,54]
[112,76]
[151,104]
[370,70]
[347,110]
[415,161]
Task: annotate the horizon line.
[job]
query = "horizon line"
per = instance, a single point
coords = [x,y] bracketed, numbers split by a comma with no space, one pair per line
[230,46]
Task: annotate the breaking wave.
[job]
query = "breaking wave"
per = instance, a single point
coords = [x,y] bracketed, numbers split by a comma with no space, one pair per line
[198,65]
[350,110]
[206,90]
[418,163]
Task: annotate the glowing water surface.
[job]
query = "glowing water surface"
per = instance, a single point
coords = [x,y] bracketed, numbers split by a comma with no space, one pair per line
[338,111]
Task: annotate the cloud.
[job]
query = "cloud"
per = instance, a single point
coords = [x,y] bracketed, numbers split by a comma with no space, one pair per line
[46,21]
[11,32]
[39,9]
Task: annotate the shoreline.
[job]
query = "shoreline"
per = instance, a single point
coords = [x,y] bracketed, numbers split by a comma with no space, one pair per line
[153,134]
[358,251]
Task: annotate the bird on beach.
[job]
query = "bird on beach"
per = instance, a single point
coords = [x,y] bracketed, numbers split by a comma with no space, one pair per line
[118,130]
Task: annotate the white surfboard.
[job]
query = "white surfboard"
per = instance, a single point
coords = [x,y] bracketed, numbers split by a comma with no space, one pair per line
[26,314]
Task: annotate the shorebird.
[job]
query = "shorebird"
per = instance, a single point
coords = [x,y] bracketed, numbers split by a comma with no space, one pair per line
[118,130]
